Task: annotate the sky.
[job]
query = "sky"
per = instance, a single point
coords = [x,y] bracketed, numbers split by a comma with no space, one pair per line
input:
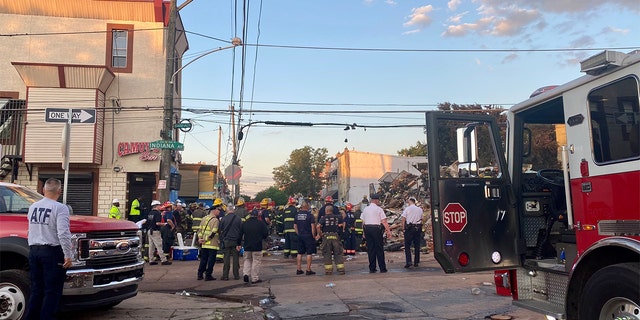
[372,63]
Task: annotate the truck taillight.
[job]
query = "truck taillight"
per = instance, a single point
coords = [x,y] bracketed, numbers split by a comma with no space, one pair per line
[463,259]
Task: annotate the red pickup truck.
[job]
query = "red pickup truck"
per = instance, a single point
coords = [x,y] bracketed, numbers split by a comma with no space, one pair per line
[107,262]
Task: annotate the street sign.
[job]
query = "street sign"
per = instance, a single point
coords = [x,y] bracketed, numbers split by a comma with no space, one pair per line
[62,115]
[454,217]
[233,174]
[166,144]
[185,125]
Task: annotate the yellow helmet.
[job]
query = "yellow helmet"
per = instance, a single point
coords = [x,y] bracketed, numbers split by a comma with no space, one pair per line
[264,203]
[240,202]
[217,202]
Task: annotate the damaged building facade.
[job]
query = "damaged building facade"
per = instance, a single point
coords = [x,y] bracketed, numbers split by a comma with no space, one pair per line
[352,175]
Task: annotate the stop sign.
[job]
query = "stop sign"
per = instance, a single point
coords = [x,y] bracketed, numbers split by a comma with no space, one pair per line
[454,217]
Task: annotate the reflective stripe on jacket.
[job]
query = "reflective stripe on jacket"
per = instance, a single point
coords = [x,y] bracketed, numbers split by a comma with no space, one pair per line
[207,228]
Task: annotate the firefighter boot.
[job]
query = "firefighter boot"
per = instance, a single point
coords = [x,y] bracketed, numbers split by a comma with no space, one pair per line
[328,269]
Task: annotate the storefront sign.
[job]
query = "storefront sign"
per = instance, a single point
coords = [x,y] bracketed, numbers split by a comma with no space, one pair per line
[205,195]
[143,148]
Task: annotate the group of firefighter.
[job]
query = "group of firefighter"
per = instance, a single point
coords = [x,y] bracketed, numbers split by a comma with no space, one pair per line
[339,227]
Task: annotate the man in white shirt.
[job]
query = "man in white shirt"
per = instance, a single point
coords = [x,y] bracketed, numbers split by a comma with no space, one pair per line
[374,218]
[412,227]
[50,252]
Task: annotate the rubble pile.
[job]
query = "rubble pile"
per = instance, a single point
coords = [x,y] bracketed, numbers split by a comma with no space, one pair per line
[393,198]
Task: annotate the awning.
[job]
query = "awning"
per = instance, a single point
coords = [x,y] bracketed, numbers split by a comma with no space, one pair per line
[64,75]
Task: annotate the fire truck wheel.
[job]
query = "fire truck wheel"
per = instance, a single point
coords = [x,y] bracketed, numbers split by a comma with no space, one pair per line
[613,292]
[14,292]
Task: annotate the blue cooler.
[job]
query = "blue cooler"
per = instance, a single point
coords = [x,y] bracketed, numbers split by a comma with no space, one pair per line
[185,253]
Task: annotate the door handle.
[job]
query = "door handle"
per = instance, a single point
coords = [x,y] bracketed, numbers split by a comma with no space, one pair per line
[492,192]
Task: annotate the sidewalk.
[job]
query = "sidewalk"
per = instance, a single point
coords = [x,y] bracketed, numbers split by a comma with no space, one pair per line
[172,292]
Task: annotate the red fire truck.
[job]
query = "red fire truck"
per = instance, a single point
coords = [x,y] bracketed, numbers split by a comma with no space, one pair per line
[562,212]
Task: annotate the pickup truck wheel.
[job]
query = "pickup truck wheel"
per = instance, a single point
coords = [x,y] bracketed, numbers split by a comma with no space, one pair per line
[14,292]
[613,293]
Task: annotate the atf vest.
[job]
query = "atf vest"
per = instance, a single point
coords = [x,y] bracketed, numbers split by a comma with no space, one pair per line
[289,219]
[209,232]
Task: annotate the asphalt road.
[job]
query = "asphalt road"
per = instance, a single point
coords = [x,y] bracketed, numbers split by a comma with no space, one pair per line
[426,292]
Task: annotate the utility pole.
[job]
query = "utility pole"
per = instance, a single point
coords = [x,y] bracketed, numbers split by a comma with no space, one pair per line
[234,159]
[167,119]
[218,180]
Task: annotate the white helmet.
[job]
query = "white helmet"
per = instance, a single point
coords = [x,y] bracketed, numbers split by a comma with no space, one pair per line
[115,201]
[155,203]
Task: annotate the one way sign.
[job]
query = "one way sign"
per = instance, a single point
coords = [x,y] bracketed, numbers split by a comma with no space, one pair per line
[79,115]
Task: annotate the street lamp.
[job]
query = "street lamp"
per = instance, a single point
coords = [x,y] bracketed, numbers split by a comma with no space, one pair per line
[234,43]
[167,126]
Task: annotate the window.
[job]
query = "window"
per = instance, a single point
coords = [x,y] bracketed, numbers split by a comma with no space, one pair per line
[615,121]
[120,47]
[467,150]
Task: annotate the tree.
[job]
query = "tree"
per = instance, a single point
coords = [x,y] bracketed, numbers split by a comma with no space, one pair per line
[302,171]
[447,137]
[420,149]
[274,193]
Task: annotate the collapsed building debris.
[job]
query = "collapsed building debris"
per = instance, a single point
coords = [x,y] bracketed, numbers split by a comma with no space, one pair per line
[395,190]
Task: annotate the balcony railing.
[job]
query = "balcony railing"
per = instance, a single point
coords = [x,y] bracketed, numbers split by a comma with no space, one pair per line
[12,118]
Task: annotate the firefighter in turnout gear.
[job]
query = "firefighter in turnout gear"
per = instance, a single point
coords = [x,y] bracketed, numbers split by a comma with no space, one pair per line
[279,219]
[290,237]
[328,202]
[223,211]
[359,231]
[209,240]
[264,215]
[332,249]
[241,210]
[198,214]
[349,234]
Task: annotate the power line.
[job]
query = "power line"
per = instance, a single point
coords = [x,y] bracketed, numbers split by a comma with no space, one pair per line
[345,103]
[329,48]
[203,111]
[440,50]
[26,34]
